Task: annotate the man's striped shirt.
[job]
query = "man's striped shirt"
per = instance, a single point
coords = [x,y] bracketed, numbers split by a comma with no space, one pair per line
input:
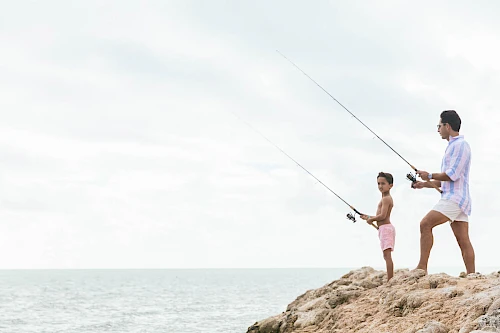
[456,164]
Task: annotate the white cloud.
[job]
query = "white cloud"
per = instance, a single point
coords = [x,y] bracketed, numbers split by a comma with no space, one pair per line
[120,147]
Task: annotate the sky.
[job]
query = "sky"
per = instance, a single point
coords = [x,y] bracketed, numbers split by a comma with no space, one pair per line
[124,143]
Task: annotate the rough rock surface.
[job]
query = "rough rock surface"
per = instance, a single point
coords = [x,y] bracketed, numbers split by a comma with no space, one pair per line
[411,302]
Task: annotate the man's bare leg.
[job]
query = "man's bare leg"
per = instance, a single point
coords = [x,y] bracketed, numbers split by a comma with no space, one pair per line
[461,231]
[389,264]
[432,219]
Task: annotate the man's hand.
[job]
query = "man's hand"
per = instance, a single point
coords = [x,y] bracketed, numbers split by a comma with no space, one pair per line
[423,174]
[364,217]
[418,184]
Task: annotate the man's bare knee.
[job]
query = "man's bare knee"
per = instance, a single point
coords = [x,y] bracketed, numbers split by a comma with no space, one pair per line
[462,239]
[432,219]
[426,224]
[461,232]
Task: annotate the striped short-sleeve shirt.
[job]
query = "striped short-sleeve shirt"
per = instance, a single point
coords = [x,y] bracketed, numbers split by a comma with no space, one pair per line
[456,164]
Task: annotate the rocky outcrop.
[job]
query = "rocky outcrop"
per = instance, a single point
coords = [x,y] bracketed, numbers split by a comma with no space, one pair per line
[411,302]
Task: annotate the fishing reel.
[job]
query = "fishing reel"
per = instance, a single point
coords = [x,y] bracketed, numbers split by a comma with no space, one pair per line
[411,178]
[352,217]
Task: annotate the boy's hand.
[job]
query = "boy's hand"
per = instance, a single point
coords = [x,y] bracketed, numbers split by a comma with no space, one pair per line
[369,219]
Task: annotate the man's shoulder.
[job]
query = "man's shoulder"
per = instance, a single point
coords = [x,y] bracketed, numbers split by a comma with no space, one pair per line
[461,142]
[465,144]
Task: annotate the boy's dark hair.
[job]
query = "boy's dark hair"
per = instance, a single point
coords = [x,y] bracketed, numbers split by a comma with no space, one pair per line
[387,176]
[451,117]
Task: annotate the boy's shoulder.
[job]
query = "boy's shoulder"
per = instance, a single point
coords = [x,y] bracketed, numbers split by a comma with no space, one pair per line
[388,198]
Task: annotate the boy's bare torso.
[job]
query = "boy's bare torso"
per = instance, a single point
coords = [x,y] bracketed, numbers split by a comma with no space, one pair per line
[387,219]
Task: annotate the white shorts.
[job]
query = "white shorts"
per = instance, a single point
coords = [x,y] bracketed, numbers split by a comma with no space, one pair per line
[451,210]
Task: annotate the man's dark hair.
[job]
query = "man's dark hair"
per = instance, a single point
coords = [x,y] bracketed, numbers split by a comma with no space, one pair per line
[451,117]
[387,176]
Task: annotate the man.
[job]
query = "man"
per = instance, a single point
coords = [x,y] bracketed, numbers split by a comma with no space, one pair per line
[455,202]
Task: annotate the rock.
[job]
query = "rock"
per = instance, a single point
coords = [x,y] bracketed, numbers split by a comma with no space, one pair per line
[411,302]
[433,327]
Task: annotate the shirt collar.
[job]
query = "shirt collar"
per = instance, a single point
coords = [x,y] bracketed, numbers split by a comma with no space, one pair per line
[455,138]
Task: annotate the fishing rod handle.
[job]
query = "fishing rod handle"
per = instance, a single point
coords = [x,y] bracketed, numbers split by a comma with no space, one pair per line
[358,212]
[432,184]
[435,186]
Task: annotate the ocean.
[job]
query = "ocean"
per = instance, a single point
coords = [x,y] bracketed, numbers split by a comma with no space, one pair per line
[150,301]
[169,300]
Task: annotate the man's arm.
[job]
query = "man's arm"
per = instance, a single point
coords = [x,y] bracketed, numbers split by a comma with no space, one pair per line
[427,184]
[458,161]
[441,176]
[386,201]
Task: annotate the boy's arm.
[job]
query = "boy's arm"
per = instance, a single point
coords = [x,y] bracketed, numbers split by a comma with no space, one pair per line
[386,201]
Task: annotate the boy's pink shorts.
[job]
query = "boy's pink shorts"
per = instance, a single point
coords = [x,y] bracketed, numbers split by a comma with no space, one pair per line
[387,236]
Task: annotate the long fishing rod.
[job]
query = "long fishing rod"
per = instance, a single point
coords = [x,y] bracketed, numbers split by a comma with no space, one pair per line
[409,176]
[350,216]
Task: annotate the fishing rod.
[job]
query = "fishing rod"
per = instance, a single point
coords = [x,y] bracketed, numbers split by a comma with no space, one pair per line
[350,216]
[409,176]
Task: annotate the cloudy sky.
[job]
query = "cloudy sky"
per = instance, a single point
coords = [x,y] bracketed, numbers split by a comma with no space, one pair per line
[121,146]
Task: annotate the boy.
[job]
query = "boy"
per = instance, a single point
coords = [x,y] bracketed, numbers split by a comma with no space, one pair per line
[386,231]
